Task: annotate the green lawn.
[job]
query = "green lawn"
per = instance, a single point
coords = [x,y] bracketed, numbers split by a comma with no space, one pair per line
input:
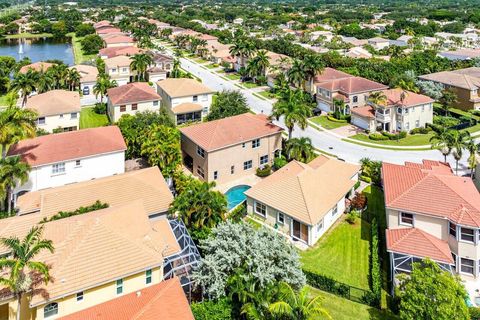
[200,60]
[90,119]
[327,124]
[342,254]
[250,85]
[212,66]
[343,309]
[78,54]
[267,94]
[232,76]
[410,140]
[27,35]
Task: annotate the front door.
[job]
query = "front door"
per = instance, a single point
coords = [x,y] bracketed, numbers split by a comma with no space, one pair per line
[300,231]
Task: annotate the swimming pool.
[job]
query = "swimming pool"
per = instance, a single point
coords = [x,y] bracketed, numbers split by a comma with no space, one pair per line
[236,195]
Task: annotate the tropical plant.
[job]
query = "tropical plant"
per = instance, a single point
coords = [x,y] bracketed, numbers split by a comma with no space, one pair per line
[339,106]
[297,73]
[24,274]
[472,148]
[298,305]
[312,65]
[294,110]
[73,79]
[448,98]
[140,63]
[103,84]
[228,103]
[13,172]
[442,140]
[24,83]
[258,65]
[459,141]
[45,82]
[300,149]
[16,124]
[377,98]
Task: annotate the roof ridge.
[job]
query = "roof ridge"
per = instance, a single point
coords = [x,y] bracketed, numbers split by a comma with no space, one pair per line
[454,191]
[303,194]
[412,186]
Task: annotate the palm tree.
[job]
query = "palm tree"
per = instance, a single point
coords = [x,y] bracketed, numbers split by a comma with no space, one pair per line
[296,74]
[73,79]
[25,84]
[447,100]
[313,65]
[297,305]
[377,98]
[13,172]
[300,149]
[244,49]
[45,82]
[472,148]
[339,105]
[293,108]
[259,64]
[103,84]
[16,124]
[140,63]
[59,73]
[442,140]
[459,141]
[407,86]
[21,260]
[175,69]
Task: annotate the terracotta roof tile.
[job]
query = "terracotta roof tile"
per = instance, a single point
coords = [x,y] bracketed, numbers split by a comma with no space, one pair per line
[365,112]
[37,66]
[418,243]
[55,102]
[119,39]
[394,98]
[183,87]
[87,73]
[229,131]
[352,85]
[108,30]
[165,300]
[186,107]
[132,93]
[119,51]
[329,74]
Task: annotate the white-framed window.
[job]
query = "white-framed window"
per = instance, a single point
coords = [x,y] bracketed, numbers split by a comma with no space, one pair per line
[78,163]
[79,296]
[406,219]
[200,152]
[124,70]
[204,97]
[200,172]
[466,265]
[260,208]
[148,276]
[280,218]
[41,120]
[73,115]
[320,226]
[114,70]
[215,175]
[417,123]
[58,168]
[355,99]
[155,103]
[334,210]
[247,165]
[255,143]
[195,98]
[264,159]
[467,234]
[407,126]
[50,310]
[454,257]
[452,229]
[119,286]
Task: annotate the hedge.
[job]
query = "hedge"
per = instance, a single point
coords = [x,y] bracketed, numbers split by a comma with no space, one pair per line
[326,283]
[395,136]
[421,130]
[375,276]
[377,136]
[265,171]
[336,120]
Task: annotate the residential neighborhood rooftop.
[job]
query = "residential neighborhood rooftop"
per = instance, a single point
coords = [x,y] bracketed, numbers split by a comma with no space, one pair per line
[55,102]
[37,66]
[468,78]
[182,87]
[351,85]
[118,61]
[132,93]
[119,51]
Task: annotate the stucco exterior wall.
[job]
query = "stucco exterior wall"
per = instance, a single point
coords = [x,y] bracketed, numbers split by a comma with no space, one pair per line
[57,121]
[114,110]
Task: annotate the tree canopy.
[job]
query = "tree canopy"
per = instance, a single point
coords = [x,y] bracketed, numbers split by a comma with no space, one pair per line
[228,103]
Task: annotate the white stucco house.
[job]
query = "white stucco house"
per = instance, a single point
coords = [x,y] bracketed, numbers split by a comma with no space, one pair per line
[88,77]
[118,69]
[69,157]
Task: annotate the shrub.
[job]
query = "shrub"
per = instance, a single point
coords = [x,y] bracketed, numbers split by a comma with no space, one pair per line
[366,179]
[475,112]
[356,185]
[445,121]
[352,216]
[265,171]
[279,162]
[359,201]
[395,136]
[421,130]
[212,310]
[237,214]
[375,276]
[326,283]
[376,136]
[474,313]
[100,108]
[65,214]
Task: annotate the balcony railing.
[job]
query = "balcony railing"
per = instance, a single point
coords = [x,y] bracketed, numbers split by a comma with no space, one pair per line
[383,117]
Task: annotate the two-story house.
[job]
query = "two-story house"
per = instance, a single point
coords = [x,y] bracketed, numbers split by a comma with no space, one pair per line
[227,149]
[58,110]
[68,157]
[161,68]
[401,111]
[186,99]
[464,82]
[119,41]
[130,99]
[432,213]
[303,200]
[88,77]
[112,52]
[118,69]
[352,90]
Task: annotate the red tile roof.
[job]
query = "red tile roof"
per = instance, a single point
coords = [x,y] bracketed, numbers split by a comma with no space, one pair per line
[394,97]
[119,51]
[64,146]
[329,74]
[132,93]
[352,85]
[109,30]
[165,300]
[418,243]
[364,112]
[37,66]
[119,39]
[431,188]
[229,131]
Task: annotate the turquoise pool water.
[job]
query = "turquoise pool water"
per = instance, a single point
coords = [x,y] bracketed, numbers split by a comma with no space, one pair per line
[236,195]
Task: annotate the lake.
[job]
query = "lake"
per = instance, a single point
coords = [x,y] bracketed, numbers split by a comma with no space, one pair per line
[38,49]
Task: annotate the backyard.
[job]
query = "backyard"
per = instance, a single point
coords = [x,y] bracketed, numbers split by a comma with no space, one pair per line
[90,119]
[328,124]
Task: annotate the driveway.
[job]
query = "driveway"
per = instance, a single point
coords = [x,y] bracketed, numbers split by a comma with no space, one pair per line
[347,131]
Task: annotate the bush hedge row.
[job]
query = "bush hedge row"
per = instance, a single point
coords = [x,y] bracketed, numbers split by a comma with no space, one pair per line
[376,277]
[326,283]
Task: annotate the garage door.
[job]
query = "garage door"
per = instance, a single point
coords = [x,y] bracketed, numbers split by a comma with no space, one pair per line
[323,106]
[359,122]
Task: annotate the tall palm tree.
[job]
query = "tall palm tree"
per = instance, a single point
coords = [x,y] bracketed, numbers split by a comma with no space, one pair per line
[472,148]
[459,142]
[447,99]
[298,305]
[16,124]
[59,73]
[24,83]
[377,98]
[339,105]
[442,140]
[294,110]
[73,79]
[313,65]
[45,82]
[103,84]
[296,74]
[259,64]
[13,172]
[140,63]
[24,273]
[300,149]
[244,49]
[175,69]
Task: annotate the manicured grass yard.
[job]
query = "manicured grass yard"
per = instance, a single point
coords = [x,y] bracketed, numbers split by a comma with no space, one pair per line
[232,76]
[212,66]
[327,124]
[78,51]
[27,35]
[410,140]
[267,94]
[90,119]
[342,253]
[200,60]
[249,85]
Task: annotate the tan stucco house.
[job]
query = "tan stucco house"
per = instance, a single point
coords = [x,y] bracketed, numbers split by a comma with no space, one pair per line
[303,200]
[118,69]
[230,148]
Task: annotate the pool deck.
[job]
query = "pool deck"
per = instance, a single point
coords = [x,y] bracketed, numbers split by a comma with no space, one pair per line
[249,180]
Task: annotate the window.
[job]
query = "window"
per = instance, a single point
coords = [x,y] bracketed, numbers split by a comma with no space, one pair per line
[243,145]
[79,296]
[466,265]
[280,218]
[119,286]
[58,168]
[73,115]
[417,123]
[466,234]
[454,257]
[114,69]
[195,98]
[334,210]
[355,99]
[200,172]
[407,126]
[406,219]
[41,120]
[247,165]
[78,163]
[261,209]
[148,276]
[320,226]
[134,106]
[200,152]
[124,70]
[61,116]
[50,309]
[204,97]
[232,169]
[123,108]
[423,107]
[256,143]
[215,175]
[155,103]
[453,229]
[264,159]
